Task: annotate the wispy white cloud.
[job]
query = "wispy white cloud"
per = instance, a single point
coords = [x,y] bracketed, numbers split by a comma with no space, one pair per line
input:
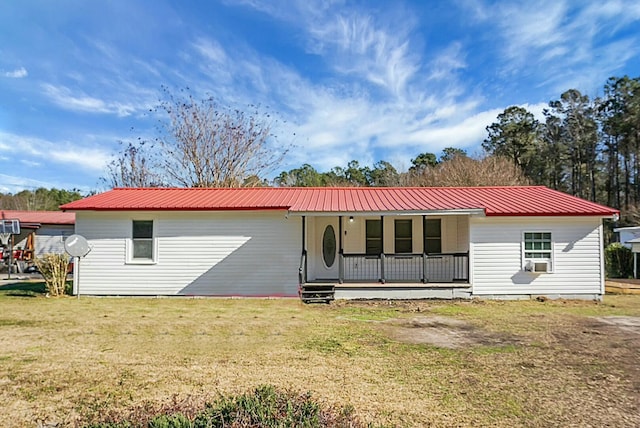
[211,50]
[18,73]
[476,9]
[529,27]
[358,44]
[616,14]
[338,120]
[376,47]
[386,98]
[106,79]
[30,163]
[83,155]
[15,183]
[447,62]
[63,97]
[564,43]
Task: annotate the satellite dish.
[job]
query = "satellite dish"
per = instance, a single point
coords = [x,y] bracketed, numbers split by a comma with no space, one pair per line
[77,246]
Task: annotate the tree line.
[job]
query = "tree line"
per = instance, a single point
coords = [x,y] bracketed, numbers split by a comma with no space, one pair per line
[40,199]
[587,147]
[452,168]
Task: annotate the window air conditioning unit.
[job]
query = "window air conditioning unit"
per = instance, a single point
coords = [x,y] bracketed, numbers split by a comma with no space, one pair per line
[537,266]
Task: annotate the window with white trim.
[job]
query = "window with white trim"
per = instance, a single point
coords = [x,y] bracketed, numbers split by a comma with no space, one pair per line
[142,247]
[537,251]
[537,245]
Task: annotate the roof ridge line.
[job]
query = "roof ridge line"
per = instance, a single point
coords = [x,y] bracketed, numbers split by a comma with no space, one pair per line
[364,188]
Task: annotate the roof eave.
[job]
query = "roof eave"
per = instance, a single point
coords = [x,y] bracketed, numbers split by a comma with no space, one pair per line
[555,214]
[113,209]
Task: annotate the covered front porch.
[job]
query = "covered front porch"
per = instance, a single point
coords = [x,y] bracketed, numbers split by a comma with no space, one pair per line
[403,254]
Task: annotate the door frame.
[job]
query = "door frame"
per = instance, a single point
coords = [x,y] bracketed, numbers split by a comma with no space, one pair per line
[321,270]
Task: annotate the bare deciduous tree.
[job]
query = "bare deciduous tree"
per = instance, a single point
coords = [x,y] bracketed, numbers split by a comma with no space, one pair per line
[463,171]
[135,166]
[201,144]
[206,145]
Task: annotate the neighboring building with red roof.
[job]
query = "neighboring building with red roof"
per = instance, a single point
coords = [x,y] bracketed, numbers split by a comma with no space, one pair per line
[41,232]
[508,242]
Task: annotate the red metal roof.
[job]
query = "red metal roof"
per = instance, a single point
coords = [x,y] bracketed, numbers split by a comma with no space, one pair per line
[42,217]
[494,201]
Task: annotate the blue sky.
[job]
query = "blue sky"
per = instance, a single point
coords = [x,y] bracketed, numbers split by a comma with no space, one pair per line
[365,80]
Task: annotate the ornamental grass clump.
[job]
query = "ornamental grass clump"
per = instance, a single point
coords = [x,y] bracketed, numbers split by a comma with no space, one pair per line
[53,268]
[264,407]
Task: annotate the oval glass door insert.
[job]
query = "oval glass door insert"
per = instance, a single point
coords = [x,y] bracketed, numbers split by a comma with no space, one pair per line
[329,246]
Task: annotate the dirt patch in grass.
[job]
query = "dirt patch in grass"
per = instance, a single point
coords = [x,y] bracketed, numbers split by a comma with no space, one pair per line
[621,336]
[444,332]
[625,323]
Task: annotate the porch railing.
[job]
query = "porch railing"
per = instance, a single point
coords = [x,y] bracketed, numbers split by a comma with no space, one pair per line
[449,267]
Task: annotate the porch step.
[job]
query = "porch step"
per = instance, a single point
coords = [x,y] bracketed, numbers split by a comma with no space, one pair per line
[317,293]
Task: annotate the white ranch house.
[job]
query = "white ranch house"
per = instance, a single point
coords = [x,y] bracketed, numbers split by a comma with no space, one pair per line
[489,242]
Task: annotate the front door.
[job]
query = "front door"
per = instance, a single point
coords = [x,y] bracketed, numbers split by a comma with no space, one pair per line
[326,248]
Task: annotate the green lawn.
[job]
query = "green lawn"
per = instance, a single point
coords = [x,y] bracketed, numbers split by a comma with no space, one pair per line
[524,364]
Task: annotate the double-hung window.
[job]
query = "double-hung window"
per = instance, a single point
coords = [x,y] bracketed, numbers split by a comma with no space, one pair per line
[403,236]
[373,237]
[142,248]
[432,236]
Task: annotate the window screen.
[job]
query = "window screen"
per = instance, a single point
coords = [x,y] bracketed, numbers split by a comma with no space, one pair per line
[373,237]
[142,239]
[403,236]
[432,236]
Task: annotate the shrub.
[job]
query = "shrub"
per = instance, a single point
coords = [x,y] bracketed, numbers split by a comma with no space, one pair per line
[53,268]
[263,407]
[618,261]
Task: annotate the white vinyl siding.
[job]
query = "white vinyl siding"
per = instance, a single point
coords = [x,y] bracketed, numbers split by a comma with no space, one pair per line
[50,239]
[198,253]
[497,256]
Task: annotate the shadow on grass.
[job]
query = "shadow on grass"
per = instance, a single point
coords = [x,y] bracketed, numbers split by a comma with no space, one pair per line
[23,289]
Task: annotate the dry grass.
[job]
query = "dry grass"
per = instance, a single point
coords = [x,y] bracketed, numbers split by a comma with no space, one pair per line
[70,361]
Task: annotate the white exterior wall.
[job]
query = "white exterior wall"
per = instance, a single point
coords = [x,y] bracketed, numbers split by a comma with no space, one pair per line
[497,257]
[50,239]
[246,253]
